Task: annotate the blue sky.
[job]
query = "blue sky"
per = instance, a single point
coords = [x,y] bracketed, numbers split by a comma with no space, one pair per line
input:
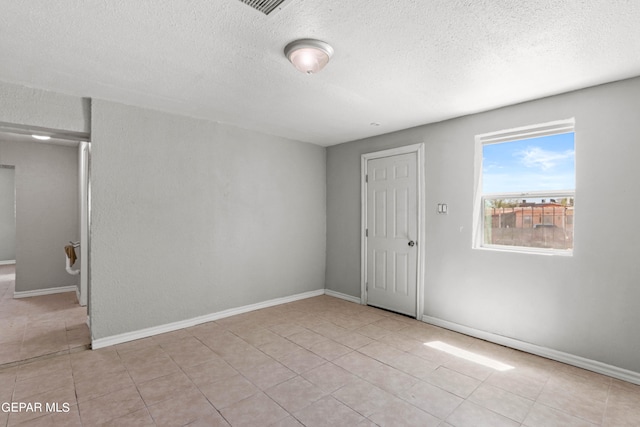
[536,164]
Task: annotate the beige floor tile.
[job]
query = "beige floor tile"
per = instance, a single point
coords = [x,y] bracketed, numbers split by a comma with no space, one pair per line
[29,417]
[353,340]
[206,330]
[228,391]
[247,359]
[227,345]
[257,336]
[7,383]
[502,402]
[279,348]
[138,418]
[153,369]
[527,385]
[135,345]
[329,330]
[188,352]
[431,399]
[328,412]
[287,328]
[181,410]
[89,370]
[41,384]
[165,388]
[544,416]
[471,415]
[301,361]
[67,419]
[110,406]
[372,331]
[290,421]
[414,365]
[181,375]
[622,413]
[329,377]
[61,419]
[468,368]
[390,324]
[210,420]
[400,342]
[254,411]
[171,336]
[79,336]
[10,351]
[390,379]
[306,338]
[36,326]
[454,382]
[348,322]
[4,416]
[381,352]
[580,405]
[431,354]
[329,349]
[400,413]
[45,367]
[135,359]
[357,363]
[104,384]
[295,394]
[269,374]
[214,370]
[363,397]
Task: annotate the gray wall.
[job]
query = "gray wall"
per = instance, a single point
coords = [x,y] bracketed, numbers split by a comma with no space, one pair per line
[586,305]
[7,214]
[191,217]
[46,183]
[24,106]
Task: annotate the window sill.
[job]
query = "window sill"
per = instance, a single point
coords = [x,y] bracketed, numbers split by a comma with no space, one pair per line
[526,250]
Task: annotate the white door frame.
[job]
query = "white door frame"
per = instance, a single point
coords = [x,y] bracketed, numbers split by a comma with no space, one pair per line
[419,150]
[84,157]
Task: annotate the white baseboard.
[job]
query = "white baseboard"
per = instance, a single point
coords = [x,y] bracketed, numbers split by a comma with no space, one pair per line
[341,296]
[170,327]
[8,262]
[40,292]
[549,353]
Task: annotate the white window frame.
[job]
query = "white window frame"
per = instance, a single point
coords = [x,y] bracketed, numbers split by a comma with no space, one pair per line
[507,135]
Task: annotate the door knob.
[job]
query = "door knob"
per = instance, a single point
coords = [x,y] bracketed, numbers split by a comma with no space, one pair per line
[412,243]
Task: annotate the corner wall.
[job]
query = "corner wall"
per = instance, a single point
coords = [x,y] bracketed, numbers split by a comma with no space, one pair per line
[585,305]
[191,217]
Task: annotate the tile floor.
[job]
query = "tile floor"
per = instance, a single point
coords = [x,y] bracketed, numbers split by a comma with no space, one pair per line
[315,362]
[38,326]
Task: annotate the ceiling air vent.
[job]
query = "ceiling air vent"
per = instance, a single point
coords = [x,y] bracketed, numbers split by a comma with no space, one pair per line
[266,6]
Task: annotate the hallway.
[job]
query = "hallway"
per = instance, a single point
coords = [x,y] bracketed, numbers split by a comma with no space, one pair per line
[32,328]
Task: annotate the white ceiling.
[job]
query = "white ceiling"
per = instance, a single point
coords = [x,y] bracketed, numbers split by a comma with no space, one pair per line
[398,63]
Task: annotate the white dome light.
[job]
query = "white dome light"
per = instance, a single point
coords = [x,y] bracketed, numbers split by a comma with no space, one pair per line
[307,55]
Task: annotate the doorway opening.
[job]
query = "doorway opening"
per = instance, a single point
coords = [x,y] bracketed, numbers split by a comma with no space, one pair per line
[43,308]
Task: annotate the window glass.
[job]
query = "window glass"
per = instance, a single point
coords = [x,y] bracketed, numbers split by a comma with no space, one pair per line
[537,164]
[528,193]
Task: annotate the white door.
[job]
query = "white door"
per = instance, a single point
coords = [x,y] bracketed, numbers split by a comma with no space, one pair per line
[392,233]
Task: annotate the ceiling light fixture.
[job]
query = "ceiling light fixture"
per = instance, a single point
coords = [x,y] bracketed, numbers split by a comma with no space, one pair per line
[308,55]
[41,137]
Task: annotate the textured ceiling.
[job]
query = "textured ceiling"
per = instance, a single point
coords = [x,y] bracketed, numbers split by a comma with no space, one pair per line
[398,63]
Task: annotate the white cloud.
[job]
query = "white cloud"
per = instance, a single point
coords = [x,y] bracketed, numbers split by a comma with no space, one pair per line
[536,157]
